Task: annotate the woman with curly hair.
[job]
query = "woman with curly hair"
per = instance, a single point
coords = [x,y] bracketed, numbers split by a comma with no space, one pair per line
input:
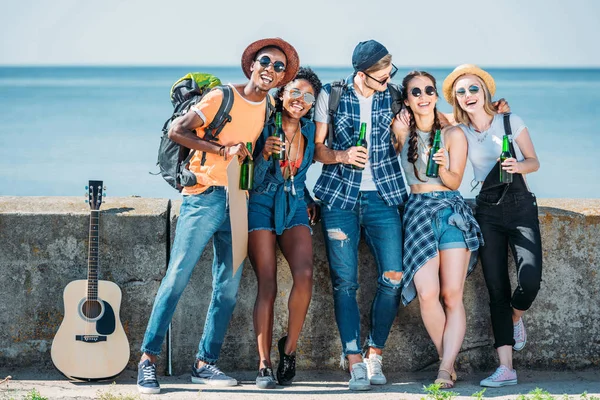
[439,228]
[280,209]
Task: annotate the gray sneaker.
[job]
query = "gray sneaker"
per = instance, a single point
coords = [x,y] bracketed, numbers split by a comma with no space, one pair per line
[520,335]
[265,379]
[374,370]
[359,379]
[211,375]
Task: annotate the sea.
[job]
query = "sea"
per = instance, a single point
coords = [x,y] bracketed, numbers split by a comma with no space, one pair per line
[63,126]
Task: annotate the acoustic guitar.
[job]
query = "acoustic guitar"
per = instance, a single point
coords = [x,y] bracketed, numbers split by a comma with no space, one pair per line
[90,343]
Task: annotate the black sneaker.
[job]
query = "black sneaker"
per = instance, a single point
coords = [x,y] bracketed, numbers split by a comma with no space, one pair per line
[286,370]
[266,379]
[147,382]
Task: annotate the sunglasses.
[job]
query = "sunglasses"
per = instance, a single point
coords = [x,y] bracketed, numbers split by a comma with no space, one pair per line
[308,98]
[265,61]
[473,89]
[387,78]
[429,91]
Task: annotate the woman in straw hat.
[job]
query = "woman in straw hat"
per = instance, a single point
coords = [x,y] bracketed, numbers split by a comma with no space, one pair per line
[280,211]
[440,230]
[507,212]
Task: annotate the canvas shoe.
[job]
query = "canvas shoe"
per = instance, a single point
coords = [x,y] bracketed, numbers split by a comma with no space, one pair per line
[146,381]
[374,370]
[519,335]
[502,377]
[211,375]
[266,379]
[358,377]
[286,370]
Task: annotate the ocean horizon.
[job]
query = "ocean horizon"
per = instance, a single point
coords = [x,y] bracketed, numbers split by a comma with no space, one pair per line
[64,125]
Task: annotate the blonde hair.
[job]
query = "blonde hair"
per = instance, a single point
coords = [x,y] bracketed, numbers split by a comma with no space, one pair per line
[383,63]
[461,115]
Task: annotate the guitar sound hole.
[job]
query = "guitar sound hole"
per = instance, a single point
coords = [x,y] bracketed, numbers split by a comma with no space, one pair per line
[91,309]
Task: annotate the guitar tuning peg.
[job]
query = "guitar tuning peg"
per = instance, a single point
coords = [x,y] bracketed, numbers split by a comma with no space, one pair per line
[104,194]
[104,188]
[86,188]
[86,201]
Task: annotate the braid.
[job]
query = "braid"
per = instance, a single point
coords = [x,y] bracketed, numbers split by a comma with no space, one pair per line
[436,126]
[413,145]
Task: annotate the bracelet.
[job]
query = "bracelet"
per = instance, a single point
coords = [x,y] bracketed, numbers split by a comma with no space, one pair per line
[221,151]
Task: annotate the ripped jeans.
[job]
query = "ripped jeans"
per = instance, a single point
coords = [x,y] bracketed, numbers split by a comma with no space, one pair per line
[383,233]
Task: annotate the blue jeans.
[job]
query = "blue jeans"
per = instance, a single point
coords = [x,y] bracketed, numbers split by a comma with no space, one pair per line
[383,233]
[201,217]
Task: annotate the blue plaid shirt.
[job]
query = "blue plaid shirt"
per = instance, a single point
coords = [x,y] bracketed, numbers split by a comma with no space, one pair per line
[420,244]
[339,184]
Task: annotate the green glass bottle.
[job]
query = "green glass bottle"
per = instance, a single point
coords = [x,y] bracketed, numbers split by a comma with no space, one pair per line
[432,167]
[362,141]
[247,171]
[281,135]
[505,176]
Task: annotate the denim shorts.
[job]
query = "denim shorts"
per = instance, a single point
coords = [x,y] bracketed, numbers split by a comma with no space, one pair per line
[261,213]
[448,235]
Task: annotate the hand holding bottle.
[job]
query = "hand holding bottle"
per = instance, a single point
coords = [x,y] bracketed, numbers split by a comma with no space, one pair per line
[272,145]
[239,150]
[511,165]
[355,155]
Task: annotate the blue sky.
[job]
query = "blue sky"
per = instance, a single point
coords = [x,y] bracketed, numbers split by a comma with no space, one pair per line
[202,32]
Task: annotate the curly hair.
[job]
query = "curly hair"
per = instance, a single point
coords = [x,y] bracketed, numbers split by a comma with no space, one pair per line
[304,73]
[413,154]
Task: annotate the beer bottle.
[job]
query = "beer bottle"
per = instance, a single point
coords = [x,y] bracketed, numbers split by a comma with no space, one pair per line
[505,176]
[433,167]
[247,171]
[362,141]
[281,135]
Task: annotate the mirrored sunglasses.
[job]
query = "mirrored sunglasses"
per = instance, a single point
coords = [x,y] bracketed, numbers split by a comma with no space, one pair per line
[308,98]
[473,89]
[429,91]
[265,61]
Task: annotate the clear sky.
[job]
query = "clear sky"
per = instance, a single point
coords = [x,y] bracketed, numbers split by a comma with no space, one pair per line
[215,32]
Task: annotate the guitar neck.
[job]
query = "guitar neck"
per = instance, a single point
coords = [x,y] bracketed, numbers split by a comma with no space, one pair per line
[93,262]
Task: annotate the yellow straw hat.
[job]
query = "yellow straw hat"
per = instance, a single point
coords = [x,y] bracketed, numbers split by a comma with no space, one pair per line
[466,69]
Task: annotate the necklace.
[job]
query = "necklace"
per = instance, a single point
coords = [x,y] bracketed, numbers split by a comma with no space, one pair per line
[288,170]
[483,134]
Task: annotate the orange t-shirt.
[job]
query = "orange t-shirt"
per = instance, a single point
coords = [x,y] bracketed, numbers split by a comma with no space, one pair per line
[247,120]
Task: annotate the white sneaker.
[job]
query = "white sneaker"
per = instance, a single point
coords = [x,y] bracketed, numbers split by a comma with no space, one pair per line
[519,335]
[359,380]
[374,370]
[502,377]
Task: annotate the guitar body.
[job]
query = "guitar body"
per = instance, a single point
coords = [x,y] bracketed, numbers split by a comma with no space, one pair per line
[92,346]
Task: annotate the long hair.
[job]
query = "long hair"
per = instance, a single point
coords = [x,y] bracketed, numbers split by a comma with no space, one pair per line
[307,74]
[461,115]
[413,154]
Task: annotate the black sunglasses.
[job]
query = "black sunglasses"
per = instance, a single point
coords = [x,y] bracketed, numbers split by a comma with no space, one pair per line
[429,91]
[473,89]
[308,98]
[265,61]
[387,78]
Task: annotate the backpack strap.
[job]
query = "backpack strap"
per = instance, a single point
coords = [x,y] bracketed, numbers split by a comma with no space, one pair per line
[337,88]
[269,109]
[222,117]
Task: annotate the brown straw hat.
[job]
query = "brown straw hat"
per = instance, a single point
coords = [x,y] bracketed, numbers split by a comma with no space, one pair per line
[466,69]
[292,60]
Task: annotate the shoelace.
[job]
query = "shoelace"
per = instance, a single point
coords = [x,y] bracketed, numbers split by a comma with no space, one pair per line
[517,331]
[214,369]
[498,372]
[376,365]
[360,372]
[289,364]
[266,372]
[149,372]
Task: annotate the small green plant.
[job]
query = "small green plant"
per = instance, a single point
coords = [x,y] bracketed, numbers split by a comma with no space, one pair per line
[118,396]
[34,395]
[435,392]
[479,395]
[584,396]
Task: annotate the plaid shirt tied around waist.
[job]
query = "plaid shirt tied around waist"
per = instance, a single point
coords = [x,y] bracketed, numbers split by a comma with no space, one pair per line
[420,244]
[339,184]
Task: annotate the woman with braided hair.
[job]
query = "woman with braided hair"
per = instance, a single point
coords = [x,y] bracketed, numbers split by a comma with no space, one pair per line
[439,228]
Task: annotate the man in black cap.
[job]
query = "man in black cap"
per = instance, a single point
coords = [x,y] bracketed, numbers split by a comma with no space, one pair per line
[362,188]
[204,214]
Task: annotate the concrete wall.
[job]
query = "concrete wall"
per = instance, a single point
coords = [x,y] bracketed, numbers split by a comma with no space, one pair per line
[43,246]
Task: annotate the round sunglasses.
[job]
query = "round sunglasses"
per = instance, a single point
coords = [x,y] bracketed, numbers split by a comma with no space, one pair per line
[265,61]
[308,98]
[473,89]
[429,91]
